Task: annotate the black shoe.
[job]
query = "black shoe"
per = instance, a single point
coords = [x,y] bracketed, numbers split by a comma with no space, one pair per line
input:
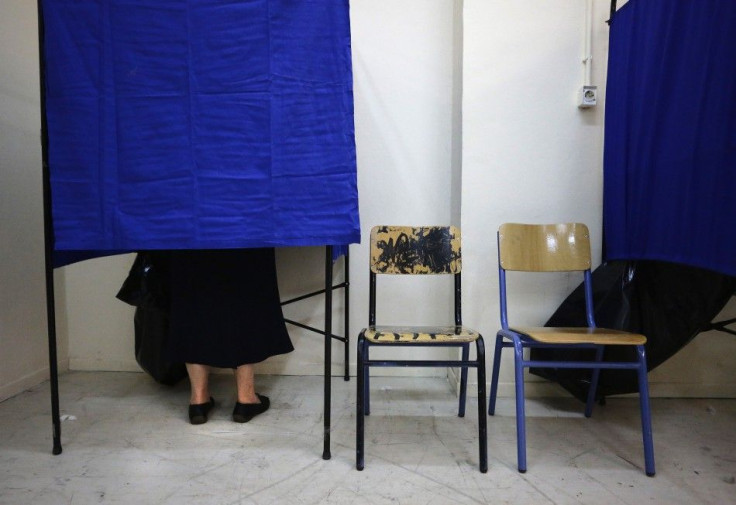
[198,412]
[244,412]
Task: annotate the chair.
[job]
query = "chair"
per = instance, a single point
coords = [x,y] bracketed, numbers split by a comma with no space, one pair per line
[560,248]
[403,250]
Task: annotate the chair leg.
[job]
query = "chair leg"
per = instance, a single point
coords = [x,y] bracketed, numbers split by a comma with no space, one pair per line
[464,381]
[494,375]
[367,378]
[482,419]
[646,415]
[360,420]
[520,414]
[593,383]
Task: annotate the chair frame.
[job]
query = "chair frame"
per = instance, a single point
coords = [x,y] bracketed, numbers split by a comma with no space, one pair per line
[364,363]
[508,337]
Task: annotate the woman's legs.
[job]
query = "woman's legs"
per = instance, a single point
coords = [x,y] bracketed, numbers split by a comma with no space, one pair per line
[200,401]
[249,403]
[245,382]
[199,383]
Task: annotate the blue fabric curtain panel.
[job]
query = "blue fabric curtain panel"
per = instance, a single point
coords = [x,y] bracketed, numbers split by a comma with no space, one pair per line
[670,134]
[199,124]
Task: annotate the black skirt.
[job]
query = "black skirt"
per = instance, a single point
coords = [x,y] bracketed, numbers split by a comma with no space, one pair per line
[225,308]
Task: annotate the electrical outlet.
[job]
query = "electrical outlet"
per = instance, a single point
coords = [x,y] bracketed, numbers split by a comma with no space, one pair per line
[588,97]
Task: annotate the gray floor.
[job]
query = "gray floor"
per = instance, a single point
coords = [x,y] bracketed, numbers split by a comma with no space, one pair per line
[127,440]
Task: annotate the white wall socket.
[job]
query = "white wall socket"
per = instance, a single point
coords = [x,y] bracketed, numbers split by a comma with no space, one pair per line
[588,97]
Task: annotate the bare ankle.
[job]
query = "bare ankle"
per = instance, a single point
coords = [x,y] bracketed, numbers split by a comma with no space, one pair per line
[248,398]
[199,398]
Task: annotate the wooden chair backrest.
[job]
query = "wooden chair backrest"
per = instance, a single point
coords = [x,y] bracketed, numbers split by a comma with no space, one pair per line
[415,250]
[544,248]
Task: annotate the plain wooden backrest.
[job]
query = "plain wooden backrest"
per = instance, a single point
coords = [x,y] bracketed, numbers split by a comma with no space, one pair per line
[415,250]
[544,248]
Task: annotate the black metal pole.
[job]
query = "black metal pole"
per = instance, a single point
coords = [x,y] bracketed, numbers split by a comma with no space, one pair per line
[328,351]
[347,315]
[613,11]
[48,232]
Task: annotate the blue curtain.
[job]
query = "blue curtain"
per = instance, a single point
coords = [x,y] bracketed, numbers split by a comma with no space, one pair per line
[199,124]
[670,134]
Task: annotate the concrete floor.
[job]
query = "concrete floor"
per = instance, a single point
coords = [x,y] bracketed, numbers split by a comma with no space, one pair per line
[127,440]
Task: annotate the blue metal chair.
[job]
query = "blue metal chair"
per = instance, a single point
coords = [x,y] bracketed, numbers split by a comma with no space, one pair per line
[560,248]
[404,250]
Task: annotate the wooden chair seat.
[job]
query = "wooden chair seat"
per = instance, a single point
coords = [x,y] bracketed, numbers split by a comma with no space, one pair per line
[420,334]
[597,336]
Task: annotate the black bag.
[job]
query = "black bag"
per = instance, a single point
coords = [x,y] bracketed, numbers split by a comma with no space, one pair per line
[151,335]
[147,283]
[146,288]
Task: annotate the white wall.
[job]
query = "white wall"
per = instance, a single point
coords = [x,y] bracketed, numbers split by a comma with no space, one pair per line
[404,60]
[529,154]
[521,150]
[23,344]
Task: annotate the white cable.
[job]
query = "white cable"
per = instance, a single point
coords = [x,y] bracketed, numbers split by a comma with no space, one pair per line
[588,56]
